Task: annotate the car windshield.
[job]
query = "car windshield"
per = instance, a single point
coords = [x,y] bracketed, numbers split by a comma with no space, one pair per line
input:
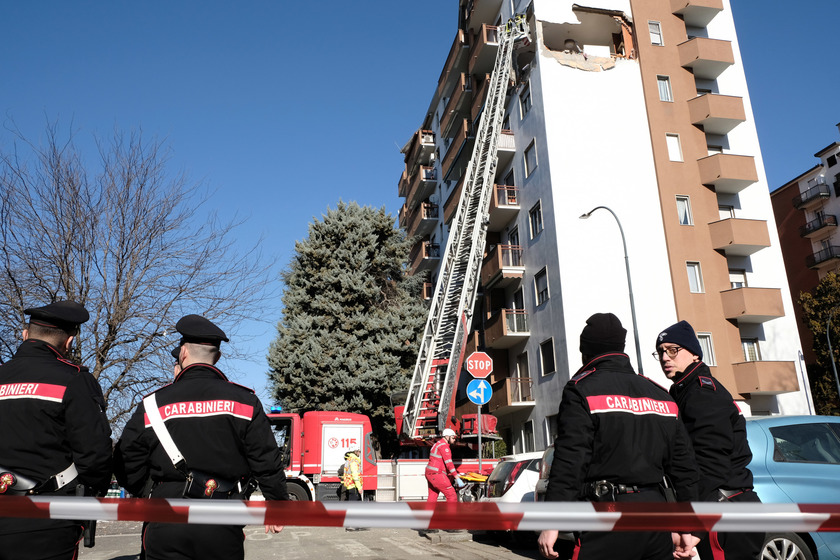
[806,443]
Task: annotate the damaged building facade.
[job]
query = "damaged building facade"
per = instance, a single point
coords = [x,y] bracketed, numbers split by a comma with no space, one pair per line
[640,106]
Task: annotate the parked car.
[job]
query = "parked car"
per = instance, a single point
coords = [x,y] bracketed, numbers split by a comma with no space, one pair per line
[545,468]
[514,478]
[796,459]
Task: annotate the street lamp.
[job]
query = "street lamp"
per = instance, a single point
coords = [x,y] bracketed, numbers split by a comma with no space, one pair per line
[629,282]
[830,353]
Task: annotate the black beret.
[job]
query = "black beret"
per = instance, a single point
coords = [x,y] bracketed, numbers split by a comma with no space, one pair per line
[176,352]
[197,329]
[603,333]
[67,315]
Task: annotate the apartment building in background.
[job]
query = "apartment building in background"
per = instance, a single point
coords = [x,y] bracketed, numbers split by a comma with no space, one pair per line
[640,106]
[806,210]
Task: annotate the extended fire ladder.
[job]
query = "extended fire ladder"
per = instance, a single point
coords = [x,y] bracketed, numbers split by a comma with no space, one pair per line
[430,403]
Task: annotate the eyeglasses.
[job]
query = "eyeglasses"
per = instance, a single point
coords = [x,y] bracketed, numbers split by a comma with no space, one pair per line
[672,351]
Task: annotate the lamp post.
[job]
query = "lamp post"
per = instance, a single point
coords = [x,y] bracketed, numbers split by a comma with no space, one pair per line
[830,352]
[629,282]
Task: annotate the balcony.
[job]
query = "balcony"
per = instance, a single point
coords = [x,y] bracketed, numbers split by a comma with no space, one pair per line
[812,197]
[460,150]
[451,204]
[420,149]
[418,187]
[707,58]
[506,148]
[504,206]
[727,173]
[502,266]
[479,97]
[485,43]
[511,394]
[717,114]
[765,378]
[818,225]
[823,258]
[424,256]
[458,105]
[506,328]
[739,237]
[420,221]
[477,12]
[428,290]
[752,305]
[697,13]
[456,62]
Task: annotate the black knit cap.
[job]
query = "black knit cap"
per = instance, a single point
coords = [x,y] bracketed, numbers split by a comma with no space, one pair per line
[198,330]
[65,315]
[603,333]
[681,334]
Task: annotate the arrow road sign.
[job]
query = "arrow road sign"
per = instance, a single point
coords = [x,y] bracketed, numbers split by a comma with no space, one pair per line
[479,391]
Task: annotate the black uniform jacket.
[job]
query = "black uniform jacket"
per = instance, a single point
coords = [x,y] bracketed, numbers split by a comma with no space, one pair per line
[219,427]
[717,429]
[51,416]
[620,427]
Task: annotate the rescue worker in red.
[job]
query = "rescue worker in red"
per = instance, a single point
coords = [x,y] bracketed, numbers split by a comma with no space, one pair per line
[718,433]
[223,435]
[440,468]
[55,432]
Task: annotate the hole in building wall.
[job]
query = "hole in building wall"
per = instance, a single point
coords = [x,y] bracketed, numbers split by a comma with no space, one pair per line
[593,43]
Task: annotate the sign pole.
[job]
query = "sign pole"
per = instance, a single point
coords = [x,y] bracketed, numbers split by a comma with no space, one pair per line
[479,439]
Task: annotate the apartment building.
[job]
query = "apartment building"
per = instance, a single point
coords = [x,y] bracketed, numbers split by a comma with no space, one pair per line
[806,210]
[640,106]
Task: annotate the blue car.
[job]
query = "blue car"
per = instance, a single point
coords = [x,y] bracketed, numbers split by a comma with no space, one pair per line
[796,459]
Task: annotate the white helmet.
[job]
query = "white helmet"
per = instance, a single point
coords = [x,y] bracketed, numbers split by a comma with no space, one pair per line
[449,432]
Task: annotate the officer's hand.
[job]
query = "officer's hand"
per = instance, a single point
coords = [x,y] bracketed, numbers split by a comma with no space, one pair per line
[546,544]
[684,544]
[273,528]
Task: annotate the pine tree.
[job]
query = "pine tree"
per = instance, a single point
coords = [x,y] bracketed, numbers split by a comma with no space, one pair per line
[817,306]
[351,319]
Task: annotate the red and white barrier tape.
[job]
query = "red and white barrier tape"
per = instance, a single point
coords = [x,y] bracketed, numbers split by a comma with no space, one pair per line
[563,516]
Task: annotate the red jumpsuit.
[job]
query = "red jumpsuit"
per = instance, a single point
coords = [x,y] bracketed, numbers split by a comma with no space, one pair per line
[438,470]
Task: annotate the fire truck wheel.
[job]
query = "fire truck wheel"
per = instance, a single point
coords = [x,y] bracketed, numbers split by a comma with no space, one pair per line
[297,492]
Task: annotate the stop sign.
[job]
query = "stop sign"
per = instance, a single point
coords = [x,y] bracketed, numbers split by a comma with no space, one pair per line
[480,365]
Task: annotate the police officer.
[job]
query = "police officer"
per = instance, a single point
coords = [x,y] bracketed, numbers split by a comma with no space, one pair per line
[223,435]
[618,435]
[718,432]
[55,433]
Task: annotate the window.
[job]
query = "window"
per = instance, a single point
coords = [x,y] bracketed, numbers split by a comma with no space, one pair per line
[737,278]
[528,437]
[684,210]
[547,356]
[705,340]
[513,236]
[518,301]
[541,286]
[695,277]
[750,346]
[726,212]
[806,443]
[509,179]
[831,160]
[530,159]
[550,429]
[674,149]
[655,33]
[535,219]
[525,100]
[522,370]
[664,83]
[837,188]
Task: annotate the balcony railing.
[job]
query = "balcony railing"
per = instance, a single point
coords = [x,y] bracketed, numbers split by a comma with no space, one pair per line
[485,43]
[511,394]
[823,256]
[507,195]
[516,320]
[502,265]
[506,328]
[817,192]
[421,220]
[419,186]
[423,256]
[822,221]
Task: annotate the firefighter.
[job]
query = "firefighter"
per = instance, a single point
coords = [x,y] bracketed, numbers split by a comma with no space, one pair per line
[352,481]
[55,432]
[718,432]
[221,439]
[440,468]
[618,435]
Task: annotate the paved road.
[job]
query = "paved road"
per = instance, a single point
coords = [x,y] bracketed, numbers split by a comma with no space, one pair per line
[121,541]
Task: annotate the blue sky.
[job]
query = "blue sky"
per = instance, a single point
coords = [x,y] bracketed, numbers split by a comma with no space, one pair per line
[283,109]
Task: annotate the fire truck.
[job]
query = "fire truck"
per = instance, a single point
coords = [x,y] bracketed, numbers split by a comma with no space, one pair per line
[314,444]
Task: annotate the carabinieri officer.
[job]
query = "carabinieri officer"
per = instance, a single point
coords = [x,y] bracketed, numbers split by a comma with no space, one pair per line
[55,433]
[218,439]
